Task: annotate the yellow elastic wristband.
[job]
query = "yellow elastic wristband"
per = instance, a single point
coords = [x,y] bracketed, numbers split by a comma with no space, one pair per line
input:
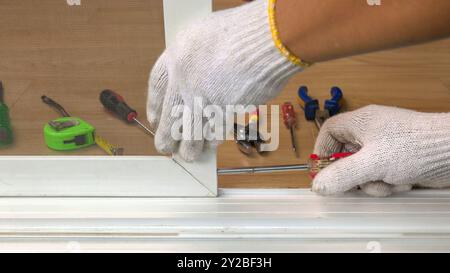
[276,38]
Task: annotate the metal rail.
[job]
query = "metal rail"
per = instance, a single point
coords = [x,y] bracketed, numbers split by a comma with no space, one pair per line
[268,169]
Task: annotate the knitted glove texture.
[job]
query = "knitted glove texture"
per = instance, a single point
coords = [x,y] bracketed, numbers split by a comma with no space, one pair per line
[396,150]
[228,58]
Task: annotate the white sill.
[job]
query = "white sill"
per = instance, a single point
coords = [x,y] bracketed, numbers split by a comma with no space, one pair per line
[239,220]
[91,176]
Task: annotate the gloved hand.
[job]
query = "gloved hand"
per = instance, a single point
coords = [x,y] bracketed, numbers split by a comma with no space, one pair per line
[228,58]
[396,150]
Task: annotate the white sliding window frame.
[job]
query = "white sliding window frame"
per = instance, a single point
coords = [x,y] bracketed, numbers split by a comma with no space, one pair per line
[152,176]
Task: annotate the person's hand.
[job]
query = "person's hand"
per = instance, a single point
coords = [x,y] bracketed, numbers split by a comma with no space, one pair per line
[228,58]
[395,150]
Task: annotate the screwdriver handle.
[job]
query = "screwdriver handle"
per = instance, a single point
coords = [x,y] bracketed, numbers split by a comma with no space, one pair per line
[117,105]
[289,116]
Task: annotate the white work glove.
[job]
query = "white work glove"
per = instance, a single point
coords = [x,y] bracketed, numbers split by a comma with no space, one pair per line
[228,58]
[396,150]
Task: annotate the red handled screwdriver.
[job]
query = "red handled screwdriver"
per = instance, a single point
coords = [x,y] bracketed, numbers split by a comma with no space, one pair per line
[117,105]
[290,121]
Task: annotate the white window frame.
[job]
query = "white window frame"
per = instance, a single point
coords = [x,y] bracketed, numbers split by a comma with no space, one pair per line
[237,221]
[150,176]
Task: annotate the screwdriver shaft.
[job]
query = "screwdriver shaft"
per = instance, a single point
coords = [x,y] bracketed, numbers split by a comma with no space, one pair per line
[318,125]
[294,143]
[269,169]
[144,127]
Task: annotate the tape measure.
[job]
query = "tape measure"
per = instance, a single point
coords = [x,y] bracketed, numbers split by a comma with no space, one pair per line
[107,147]
[69,133]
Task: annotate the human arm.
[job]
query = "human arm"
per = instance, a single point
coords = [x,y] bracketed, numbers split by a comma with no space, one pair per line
[319,31]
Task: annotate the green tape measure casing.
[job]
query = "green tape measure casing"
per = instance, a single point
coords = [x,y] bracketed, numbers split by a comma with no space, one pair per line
[69,133]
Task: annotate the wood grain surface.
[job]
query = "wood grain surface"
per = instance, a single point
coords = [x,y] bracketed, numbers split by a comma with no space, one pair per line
[71,53]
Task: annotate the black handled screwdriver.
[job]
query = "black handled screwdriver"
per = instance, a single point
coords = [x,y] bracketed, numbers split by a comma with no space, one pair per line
[117,105]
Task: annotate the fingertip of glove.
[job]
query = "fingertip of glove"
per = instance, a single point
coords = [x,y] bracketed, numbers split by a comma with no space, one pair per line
[377,189]
[165,146]
[190,151]
[321,185]
[153,120]
[402,188]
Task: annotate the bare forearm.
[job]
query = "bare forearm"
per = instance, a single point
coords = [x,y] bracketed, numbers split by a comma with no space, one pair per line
[318,31]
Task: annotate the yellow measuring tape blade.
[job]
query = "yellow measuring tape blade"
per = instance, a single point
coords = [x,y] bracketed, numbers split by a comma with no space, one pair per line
[107,147]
